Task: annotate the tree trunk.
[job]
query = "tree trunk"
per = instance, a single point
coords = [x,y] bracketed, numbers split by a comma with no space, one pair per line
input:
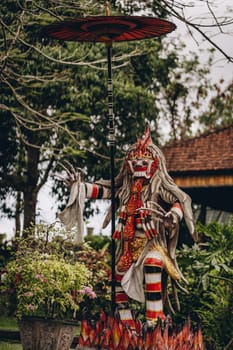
[35,178]
[30,200]
[17,215]
[31,189]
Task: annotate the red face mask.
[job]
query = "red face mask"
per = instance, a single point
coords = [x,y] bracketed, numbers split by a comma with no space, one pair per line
[141,163]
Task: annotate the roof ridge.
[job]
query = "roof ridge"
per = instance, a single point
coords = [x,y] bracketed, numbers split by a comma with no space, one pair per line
[203,135]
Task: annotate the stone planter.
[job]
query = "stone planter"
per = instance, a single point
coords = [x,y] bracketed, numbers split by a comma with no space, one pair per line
[45,334]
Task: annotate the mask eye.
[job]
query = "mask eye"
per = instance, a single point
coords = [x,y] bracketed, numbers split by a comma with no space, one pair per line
[148,155]
[132,155]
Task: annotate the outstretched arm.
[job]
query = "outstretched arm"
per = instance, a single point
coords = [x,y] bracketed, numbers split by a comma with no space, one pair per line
[96,191]
[92,190]
[72,215]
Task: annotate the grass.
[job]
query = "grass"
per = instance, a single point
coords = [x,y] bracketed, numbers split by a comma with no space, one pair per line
[10,346]
[8,323]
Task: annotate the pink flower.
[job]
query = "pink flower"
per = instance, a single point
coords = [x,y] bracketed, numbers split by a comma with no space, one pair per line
[31,307]
[81,291]
[39,276]
[92,295]
[90,292]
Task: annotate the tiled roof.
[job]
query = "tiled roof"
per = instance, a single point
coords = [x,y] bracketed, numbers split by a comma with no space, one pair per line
[212,151]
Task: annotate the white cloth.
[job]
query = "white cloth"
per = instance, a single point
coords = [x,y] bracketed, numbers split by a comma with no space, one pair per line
[72,215]
[132,282]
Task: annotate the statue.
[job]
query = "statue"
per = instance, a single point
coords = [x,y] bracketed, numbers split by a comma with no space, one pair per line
[150,208]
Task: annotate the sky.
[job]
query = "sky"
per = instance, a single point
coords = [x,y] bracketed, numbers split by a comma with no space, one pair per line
[222,9]
[220,70]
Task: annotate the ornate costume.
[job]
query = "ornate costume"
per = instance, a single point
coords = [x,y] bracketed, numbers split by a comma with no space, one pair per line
[151,206]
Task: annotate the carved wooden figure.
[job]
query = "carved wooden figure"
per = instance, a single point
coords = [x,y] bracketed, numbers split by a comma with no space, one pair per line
[150,206]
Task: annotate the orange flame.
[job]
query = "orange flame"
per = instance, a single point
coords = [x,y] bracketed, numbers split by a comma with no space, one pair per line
[110,333]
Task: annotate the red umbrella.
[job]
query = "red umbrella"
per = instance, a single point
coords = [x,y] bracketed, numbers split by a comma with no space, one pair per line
[109,29]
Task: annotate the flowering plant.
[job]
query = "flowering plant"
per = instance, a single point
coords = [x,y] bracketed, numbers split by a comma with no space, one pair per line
[45,282]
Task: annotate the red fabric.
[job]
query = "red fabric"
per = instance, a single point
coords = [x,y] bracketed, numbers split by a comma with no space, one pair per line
[153,315]
[131,323]
[153,287]
[132,205]
[153,262]
[121,298]
[177,205]
[95,191]
[119,277]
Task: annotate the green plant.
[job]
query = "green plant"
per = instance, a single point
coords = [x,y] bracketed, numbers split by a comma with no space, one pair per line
[98,261]
[43,280]
[209,270]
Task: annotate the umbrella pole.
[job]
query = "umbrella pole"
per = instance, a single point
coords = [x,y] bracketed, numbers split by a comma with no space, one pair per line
[111,138]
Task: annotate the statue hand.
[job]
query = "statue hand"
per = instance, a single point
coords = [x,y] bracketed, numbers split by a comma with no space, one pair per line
[171,219]
[72,175]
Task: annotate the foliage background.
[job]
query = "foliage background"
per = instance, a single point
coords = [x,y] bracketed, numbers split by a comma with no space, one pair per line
[209,269]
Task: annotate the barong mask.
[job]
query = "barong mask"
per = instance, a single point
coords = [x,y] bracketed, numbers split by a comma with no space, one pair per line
[140,161]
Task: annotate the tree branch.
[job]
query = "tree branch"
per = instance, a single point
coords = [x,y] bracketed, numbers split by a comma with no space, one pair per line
[171,11]
[46,173]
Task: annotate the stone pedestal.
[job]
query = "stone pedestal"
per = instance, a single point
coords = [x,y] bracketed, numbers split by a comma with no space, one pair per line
[45,334]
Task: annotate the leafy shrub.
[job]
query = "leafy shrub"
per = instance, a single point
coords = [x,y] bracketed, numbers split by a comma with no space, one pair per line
[43,280]
[209,270]
[99,263]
